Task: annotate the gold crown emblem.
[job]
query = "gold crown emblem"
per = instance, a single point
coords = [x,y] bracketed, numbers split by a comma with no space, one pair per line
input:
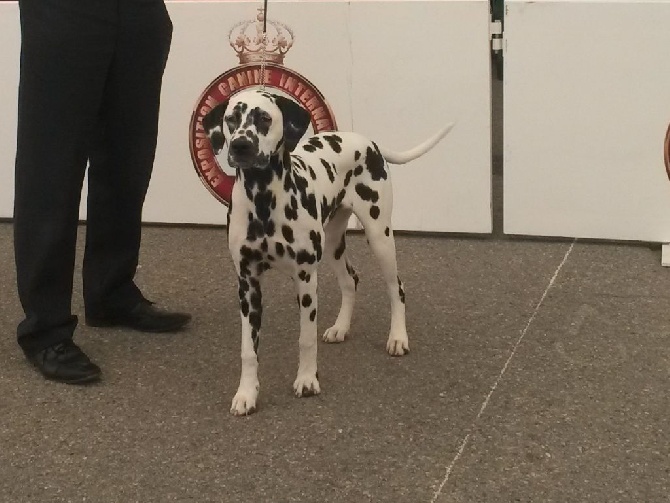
[246,38]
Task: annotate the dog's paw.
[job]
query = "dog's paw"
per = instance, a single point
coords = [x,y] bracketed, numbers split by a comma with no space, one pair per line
[244,402]
[306,385]
[397,346]
[335,333]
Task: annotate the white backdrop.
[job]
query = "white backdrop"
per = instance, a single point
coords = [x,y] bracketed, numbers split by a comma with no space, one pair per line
[393,70]
[587,105]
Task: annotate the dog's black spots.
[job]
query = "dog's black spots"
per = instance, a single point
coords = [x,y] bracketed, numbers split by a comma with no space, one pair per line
[339,251]
[289,186]
[291,211]
[312,173]
[340,197]
[300,183]
[358,171]
[256,300]
[263,204]
[366,193]
[257,178]
[401,291]
[273,204]
[251,216]
[262,267]
[352,272]
[312,317]
[304,276]
[325,209]
[374,212]
[287,232]
[387,231]
[306,300]
[357,155]
[244,307]
[264,245]
[270,228]
[375,164]
[277,167]
[255,339]
[335,142]
[313,144]
[260,119]
[305,257]
[247,257]
[255,320]
[347,178]
[271,258]
[330,169]
[315,237]
[291,252]
[279,248]
[240,108]
[309,202]
[255,230]
[298,162]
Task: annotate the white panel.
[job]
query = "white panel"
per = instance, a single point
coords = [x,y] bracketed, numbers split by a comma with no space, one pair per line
[418,65]
[404,67]
[587,105]
[10,47]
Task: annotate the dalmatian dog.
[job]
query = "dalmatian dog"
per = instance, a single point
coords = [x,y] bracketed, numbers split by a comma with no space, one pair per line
[289,209]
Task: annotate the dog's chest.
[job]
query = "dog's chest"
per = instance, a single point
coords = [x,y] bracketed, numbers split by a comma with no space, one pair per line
[275,228]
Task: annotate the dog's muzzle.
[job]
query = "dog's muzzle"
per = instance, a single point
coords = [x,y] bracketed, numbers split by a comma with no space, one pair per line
[242,151]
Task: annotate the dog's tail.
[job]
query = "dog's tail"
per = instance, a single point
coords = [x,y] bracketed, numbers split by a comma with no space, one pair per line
[409,155]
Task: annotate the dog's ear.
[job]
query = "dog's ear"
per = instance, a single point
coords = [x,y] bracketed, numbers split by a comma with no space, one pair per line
[296,121]
[213,125]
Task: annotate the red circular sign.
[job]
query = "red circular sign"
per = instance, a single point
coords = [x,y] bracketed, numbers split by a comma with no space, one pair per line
[219,183]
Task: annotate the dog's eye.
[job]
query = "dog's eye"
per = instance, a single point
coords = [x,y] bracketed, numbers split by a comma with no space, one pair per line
[266,120]
[231,119]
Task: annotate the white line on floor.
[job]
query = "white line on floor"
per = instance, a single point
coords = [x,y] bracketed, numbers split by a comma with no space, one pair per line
[500,376]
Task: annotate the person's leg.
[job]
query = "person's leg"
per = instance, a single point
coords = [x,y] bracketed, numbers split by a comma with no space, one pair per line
[67,46]
[121,164]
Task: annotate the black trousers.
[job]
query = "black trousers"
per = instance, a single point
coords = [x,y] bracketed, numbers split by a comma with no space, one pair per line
[89,94]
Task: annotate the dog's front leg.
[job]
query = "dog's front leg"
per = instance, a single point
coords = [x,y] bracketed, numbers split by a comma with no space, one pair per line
[251,309]
[307,382]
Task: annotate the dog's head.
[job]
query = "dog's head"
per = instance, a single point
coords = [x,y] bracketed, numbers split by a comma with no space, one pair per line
[255,125]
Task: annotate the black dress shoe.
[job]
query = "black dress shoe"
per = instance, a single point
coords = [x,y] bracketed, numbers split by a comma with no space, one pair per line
[65,362]
[143,317]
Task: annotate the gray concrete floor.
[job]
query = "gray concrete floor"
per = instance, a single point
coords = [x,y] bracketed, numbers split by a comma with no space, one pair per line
[539,372]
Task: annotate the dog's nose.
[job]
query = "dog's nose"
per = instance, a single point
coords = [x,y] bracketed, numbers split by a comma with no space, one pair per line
[241,147]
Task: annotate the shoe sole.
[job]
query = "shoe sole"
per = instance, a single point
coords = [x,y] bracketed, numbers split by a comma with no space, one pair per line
[169,329]
[81,380]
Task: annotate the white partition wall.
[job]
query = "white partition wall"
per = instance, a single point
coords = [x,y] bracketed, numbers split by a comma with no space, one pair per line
[396,70]
[10,46]
[587,106]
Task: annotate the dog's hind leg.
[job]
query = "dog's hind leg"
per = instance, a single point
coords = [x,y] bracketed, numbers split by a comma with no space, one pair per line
[376,220]
[335,254]
[251,309]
